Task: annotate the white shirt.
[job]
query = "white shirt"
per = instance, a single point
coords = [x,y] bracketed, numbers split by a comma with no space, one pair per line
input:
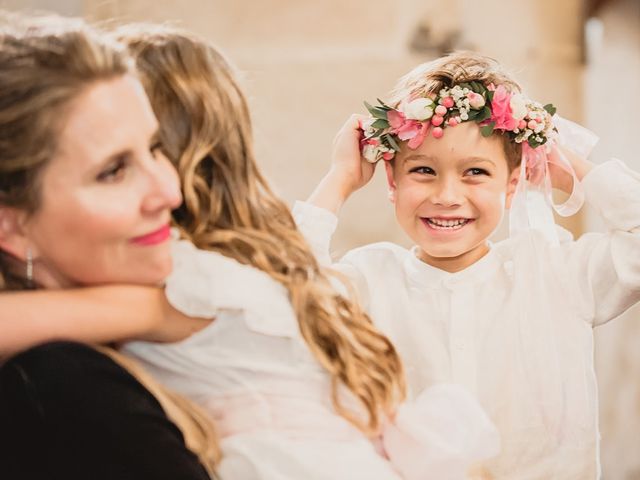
[270,399]
[515,328]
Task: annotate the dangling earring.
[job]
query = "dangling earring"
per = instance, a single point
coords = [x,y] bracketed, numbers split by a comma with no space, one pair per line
[29,267]
[391,195]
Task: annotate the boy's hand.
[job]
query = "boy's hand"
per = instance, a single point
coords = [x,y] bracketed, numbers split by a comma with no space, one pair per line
[349,170]
[347,163]
[560,178]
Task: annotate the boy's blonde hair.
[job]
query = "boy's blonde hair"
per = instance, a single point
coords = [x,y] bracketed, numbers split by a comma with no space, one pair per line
[230,208]
[453,69]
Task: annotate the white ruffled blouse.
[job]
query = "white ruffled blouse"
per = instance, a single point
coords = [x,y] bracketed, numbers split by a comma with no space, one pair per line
[270,398]
[515,328]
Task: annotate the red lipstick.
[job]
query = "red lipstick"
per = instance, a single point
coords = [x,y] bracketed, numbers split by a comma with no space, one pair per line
[153,238]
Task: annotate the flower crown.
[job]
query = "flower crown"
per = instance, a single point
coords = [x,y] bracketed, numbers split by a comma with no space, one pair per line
[492,108]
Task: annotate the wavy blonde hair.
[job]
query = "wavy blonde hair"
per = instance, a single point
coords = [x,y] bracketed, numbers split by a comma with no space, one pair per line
[453,69]
[45,63]
[229,208]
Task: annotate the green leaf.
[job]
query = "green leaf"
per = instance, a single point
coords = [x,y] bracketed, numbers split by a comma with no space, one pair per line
[490,96]
[484,114]
[550,108]
[477,87]
[383,105]
[487,130]
[392,143]
[465,85]
[473,114]
[369,107]
[380,123]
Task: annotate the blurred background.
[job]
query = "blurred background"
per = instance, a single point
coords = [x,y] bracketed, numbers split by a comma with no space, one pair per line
[306,65]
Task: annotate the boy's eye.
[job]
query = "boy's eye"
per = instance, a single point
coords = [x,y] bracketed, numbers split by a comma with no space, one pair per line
[423,170]
[114,172]
[472,172]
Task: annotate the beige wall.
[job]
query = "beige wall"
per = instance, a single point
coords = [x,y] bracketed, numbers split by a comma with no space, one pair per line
[308,64]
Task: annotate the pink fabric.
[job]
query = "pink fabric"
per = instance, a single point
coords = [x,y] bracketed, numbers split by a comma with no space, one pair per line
[533,202]
[438,436]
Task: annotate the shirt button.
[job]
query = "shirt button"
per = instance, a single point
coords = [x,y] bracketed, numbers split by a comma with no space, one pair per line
[459,345]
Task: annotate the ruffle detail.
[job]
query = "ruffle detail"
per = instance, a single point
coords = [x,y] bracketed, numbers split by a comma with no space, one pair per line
[441,435]
[204,282]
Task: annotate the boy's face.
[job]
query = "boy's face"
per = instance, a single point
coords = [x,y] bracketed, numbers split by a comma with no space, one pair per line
[450,194]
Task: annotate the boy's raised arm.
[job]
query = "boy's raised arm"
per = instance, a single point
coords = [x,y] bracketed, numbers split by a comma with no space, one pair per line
[348,172]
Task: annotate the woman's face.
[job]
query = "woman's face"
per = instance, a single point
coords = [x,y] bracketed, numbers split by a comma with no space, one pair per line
[106,195]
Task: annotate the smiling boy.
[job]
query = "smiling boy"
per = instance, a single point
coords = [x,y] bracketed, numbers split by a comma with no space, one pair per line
[512,321]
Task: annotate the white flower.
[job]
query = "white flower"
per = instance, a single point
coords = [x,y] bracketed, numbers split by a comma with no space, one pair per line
[420,109]
[370,153]
[475,100]
[464,116]
[367,127]
[518,106]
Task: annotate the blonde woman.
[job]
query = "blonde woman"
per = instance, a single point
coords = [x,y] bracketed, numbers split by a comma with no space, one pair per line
[298,381]
[72,113]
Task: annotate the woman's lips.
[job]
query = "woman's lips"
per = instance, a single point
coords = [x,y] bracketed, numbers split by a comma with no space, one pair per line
[153,238]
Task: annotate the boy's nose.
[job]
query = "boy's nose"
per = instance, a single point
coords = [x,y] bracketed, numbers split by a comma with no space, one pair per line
[447,193]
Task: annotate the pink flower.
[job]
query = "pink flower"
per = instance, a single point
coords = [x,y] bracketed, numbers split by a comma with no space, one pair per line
[395,118]
[409,130]
[400,126]
[501,110]
[416,141]
[438,132]
[448,102]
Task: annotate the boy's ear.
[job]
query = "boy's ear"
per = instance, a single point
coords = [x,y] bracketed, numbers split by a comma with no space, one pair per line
[12,237]
[388,165]
[512,185]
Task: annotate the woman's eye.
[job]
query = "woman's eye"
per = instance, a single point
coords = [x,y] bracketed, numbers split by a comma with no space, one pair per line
[113,172]
[423,170]
[476,171]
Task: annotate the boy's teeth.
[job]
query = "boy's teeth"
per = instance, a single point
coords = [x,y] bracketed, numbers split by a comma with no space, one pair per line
[447,223]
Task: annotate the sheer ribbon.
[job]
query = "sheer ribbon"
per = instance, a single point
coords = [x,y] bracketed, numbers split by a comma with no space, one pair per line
[533,205]
[548,336]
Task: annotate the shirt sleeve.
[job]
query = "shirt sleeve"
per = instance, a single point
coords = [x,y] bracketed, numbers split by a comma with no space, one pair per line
[606,266]
[318,225]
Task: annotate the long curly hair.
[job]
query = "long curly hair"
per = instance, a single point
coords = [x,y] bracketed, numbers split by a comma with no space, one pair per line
[230,208]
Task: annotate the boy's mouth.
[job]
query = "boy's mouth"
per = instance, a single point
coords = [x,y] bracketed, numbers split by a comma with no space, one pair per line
[445,223]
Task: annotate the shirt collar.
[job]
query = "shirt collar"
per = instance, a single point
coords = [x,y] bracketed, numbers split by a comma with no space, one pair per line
[423,275]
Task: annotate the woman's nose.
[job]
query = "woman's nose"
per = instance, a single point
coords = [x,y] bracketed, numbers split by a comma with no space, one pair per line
[164,187]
